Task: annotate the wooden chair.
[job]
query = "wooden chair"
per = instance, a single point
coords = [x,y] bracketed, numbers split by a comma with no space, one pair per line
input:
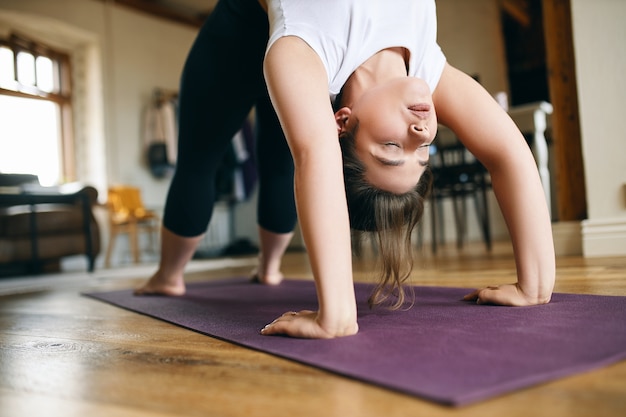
[458,175]
[128,215]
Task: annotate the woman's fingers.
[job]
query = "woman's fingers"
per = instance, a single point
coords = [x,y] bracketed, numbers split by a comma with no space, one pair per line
[504,295]
[301,324]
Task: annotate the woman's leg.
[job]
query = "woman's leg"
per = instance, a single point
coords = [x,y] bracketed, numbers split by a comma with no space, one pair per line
[273,247]
[222,78]
[276,211]
[175,253]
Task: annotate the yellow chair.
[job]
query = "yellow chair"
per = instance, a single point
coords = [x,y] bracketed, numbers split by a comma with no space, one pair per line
[128,215]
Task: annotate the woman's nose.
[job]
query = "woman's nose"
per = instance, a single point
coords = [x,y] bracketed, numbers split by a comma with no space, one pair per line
[419,130]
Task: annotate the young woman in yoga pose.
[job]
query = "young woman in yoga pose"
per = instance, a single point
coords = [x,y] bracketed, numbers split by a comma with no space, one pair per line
[362,163]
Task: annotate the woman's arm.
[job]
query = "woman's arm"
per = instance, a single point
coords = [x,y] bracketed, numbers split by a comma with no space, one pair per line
[298,87]
[490,134]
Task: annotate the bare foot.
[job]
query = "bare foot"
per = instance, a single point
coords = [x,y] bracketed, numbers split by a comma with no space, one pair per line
[267,279]
[159,285]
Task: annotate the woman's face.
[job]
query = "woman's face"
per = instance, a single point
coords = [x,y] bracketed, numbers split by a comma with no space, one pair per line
[396,125]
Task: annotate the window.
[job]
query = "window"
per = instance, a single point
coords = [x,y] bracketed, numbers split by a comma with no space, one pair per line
[35,111]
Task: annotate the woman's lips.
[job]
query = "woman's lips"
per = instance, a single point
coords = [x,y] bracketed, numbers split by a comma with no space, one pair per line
[421,110]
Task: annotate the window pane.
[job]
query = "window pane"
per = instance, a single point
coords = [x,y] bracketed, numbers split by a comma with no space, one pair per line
[26,68]
[7,72]
[29,138]
[45,74]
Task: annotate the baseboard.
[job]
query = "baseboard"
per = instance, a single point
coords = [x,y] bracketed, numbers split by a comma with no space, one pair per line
[567,238]
[605,237]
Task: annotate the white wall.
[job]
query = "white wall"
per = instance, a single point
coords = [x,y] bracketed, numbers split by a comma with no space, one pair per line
[599,33]
[470,34]
[142,53]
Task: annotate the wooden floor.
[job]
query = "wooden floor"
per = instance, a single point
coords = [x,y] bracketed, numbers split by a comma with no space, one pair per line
[66,355]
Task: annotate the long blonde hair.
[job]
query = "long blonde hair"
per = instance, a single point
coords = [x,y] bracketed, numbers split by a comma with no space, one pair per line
[391,217]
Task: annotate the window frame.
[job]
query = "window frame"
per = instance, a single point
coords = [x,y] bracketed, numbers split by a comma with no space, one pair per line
[63,97]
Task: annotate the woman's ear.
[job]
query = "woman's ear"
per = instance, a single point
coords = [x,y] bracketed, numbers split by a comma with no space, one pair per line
[341,117]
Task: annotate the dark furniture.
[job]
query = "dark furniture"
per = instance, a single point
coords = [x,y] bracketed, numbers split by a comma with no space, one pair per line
[458,175]
[41,225]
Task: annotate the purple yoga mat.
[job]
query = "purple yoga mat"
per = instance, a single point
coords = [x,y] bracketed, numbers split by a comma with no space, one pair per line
[443,349]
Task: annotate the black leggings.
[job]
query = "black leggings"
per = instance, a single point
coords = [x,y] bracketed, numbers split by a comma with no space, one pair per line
[221,82]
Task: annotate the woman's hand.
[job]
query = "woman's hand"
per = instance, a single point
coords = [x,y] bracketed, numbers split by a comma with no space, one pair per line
[304,324]
[504,295]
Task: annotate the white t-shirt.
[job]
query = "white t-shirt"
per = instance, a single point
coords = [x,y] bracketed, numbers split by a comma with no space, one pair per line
[345,33]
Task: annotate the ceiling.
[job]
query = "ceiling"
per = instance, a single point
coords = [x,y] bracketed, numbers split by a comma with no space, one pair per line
[190,12]
[188,6]
[194,12]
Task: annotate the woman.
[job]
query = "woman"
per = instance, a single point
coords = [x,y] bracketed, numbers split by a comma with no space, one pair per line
[381,67]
